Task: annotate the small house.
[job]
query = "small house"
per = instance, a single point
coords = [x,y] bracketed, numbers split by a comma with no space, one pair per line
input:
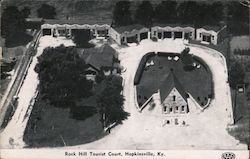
[101,60]
[173,96]
[129,34]
[211,34]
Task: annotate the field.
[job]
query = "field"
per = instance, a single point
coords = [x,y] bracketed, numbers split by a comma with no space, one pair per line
[49,126]
[197,82]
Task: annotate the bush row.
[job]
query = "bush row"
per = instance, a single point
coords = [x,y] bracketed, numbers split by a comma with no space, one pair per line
[242,52]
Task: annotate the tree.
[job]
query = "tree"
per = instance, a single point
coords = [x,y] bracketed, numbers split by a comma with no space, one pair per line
[12,21]
[216,12]
[144,13]
[187,60]
[122,14]
[46,11]
[188,12]
[238,12]
[110,101]
[236,75]
[81,38]
[165,12]
[25,12]
[62,78]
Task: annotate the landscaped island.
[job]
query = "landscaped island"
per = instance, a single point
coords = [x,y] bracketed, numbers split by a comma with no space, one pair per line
[175,76]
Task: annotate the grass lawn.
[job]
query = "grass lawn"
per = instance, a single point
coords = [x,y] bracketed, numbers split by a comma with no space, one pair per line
[241,129]
[48,126]
[197,82]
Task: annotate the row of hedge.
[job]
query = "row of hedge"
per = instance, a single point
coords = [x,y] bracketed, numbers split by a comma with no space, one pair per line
[141,67]
[242,52]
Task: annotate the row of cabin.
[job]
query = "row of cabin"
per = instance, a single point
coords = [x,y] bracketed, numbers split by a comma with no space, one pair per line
[133,33]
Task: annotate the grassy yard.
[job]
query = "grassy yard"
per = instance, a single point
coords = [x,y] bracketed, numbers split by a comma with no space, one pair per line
[49,126]
[197,82]
[241,129]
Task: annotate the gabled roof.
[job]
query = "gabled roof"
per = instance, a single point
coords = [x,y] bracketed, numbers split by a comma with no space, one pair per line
[213,28]
[99,57]
[129,28]
[90,21]
[173,25]
[168,84]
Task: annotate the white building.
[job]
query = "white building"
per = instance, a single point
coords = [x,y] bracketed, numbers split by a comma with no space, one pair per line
[101,29]
[96,29]
[129,34]
[211,35]
[162,31]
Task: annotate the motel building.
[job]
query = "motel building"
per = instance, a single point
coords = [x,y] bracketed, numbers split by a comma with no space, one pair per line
[211,35]
[129,34]
[68,28]
[163,31]
[101,29]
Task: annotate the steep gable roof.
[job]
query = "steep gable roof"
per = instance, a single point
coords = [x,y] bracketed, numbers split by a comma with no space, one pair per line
[129,28]
[168,84]
[99,57]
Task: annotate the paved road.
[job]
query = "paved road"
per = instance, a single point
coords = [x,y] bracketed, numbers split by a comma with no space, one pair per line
[17,80]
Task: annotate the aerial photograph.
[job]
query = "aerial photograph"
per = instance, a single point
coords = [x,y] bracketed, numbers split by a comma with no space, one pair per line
[125,75]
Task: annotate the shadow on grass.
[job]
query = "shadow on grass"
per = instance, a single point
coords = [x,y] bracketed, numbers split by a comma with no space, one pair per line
[50,126]
[17,39]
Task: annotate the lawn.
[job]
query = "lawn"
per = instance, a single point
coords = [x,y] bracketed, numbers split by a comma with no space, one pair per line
[241,128]
[197,82]
[49,126]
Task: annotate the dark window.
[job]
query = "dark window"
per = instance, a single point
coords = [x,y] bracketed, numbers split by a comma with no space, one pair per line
[174,98]
[170,109]
[176,108]
[177,34]
[182,108]
[167,34]
[165,109]
[159,35]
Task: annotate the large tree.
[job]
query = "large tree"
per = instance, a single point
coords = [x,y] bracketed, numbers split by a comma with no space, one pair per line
[165,12]
[62,78]
[238,18]
[12,20]
[81,38]
[122,13]
[25,12]
[110,101]
[46,11]
[144,13]
[188,12]
[216,12]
